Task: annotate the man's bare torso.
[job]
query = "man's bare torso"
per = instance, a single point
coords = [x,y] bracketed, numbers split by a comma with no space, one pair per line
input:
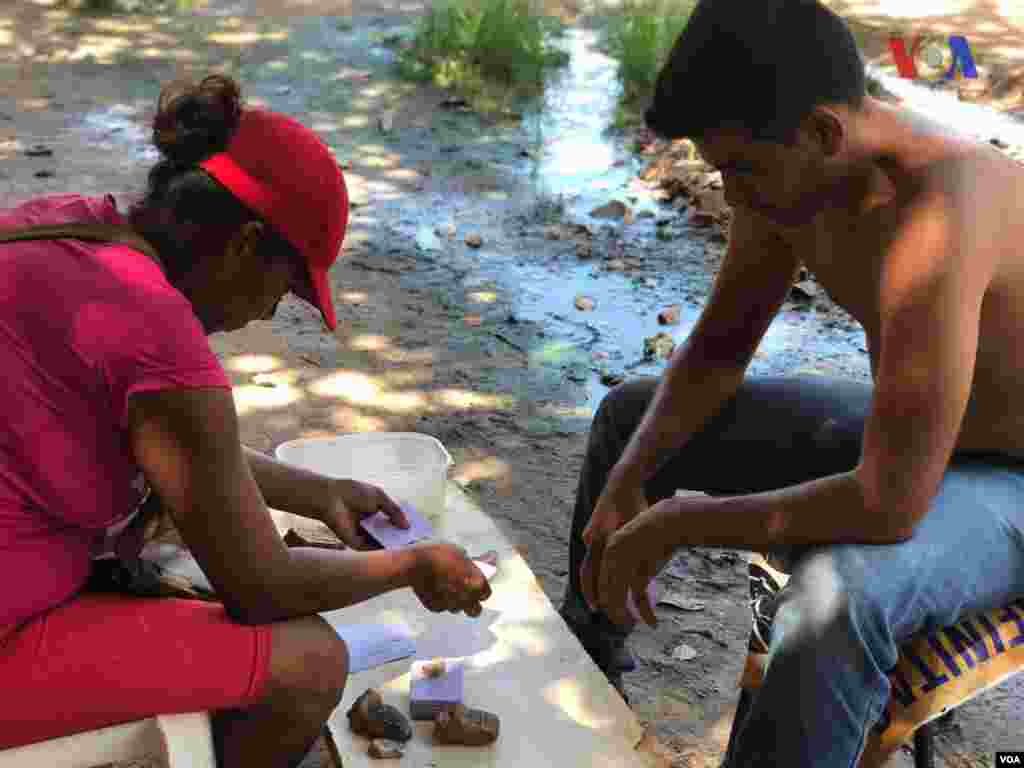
[845,253]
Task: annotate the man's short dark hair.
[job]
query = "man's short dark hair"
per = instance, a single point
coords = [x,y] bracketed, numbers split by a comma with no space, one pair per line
[759,65]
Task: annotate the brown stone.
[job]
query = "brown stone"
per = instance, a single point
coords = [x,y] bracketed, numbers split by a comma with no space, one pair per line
[460,724]
[371,717]
[659,345]
[613,210]
[324,540]
[669,315]
[385,749]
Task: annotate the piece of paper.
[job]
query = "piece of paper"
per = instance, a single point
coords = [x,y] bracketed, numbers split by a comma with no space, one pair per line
[486,569]
[487,563]
[390,536]
[372,645]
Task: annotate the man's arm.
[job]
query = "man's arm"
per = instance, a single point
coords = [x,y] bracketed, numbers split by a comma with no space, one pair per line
[756,276]
[933,282]
[754,280]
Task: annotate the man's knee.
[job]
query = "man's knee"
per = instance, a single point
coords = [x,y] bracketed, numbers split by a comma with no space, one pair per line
[623,407]
[830,609]
[309,664]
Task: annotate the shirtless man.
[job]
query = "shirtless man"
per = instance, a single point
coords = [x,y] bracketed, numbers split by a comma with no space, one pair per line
[899,504]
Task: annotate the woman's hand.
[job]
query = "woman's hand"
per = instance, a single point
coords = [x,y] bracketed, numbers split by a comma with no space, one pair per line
[348,502]
[445,579]
[634,555]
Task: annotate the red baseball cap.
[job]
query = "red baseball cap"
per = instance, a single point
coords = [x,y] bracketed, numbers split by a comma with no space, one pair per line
[283,171]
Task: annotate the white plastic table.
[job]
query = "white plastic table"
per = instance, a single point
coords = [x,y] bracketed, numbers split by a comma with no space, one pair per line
[521,663]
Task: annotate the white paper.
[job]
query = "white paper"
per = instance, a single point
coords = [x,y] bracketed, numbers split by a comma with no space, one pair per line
[373,645]
[486,569]
[390,536]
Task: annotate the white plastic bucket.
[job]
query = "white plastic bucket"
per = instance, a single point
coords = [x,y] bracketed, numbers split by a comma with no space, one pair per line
[409,466]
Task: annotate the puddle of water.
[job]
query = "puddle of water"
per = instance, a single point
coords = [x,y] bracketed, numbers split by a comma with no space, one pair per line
[578,159]
[426,240]
[117,129]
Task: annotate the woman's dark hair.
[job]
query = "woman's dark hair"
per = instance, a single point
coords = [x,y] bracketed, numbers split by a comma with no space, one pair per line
[185,209]
[760,65]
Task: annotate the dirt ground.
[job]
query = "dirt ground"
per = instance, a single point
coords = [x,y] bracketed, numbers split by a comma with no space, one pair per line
[424,343]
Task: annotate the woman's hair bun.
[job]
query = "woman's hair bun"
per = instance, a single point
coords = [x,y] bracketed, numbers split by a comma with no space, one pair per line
[196,120]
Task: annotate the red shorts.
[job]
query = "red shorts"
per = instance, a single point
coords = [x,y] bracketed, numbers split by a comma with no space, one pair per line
[99,660]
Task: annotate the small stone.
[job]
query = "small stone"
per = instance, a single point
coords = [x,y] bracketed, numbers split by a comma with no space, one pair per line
[39,150]
[612,379]
[646,215]
[474,240]
[613,210]
[683,652]
[679,203]
[445,230]
[804,291]
[669,315]
[615,265]
[435,668]
[44,174]
[370,716]
[385,123]
[660,345]
[712,202]
[552,232]
[383,749]
[584,303]
[584,251]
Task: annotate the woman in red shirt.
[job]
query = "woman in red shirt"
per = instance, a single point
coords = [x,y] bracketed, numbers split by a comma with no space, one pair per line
[110,388]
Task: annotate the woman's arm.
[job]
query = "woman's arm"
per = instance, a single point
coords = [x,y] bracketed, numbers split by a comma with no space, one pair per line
[187,444]
[289,488]
[337,502]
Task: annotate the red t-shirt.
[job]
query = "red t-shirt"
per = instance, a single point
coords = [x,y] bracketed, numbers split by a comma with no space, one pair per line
[83,326]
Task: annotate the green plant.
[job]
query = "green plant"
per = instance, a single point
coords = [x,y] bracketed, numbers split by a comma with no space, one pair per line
[129,6]
[469,44]
[640,38]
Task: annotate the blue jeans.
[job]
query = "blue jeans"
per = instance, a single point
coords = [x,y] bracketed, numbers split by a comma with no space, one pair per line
[846,608]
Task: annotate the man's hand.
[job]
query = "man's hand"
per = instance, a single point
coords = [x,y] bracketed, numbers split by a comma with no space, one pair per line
[445,579]
[350,501]
[635,555]
[619,503]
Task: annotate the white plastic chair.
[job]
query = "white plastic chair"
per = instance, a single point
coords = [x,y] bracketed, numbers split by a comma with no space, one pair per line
[173,741]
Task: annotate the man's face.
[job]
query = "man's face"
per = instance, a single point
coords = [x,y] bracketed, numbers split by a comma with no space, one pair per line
[784,183]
